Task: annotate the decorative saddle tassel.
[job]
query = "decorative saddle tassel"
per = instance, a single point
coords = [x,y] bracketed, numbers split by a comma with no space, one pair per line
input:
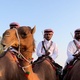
[27,74]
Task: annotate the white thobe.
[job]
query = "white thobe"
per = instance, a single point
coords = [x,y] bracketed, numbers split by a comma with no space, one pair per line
[53,49]
[71,50]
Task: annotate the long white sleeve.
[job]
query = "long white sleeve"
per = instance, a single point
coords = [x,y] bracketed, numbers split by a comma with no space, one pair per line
[70,51]
[54,54]
[39,49]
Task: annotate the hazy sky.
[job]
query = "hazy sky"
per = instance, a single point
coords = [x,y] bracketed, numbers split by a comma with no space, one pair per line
[63,16]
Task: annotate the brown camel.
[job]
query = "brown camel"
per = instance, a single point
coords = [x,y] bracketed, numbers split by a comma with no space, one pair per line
[73,73]
[23,40]
[9,69]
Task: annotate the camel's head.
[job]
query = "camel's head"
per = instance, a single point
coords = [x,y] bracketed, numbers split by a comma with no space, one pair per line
[21,37]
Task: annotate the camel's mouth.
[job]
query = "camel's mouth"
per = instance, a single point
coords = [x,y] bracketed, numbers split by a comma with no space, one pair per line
[7,44]
[4,46]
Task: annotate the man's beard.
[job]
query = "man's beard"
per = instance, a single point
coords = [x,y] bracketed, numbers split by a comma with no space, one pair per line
[77,37]
[47,39]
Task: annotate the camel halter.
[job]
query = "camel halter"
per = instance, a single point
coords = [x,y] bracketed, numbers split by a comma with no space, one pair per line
[18,38]
[19,53]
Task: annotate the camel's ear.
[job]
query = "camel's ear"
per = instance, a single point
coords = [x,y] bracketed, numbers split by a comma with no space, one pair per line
[33,30]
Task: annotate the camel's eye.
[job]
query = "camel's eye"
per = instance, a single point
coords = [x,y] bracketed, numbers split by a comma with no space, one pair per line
[23,35]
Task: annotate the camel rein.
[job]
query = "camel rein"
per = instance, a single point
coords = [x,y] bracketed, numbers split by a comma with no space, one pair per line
[19,53]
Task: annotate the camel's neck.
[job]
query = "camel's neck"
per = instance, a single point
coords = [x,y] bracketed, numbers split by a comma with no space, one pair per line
[27,66]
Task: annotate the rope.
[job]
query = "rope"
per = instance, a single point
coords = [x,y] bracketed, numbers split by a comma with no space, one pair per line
[18,52]
[25,67]
[18,38]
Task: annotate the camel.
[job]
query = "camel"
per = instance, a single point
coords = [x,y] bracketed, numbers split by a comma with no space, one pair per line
[9,70]
[73,71]
[22,39]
